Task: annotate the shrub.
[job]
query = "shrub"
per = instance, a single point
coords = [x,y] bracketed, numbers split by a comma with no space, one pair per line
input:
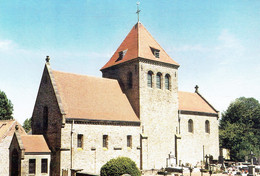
[120,166]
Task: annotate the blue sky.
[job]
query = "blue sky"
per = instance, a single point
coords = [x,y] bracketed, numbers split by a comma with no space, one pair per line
[217,43]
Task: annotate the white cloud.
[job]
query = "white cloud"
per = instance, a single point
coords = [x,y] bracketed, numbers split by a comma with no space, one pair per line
[225,40]
[6,44]
[228,40]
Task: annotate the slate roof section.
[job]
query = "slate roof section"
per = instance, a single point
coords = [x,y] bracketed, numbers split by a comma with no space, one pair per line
[194,102]
[34,144]
[86,97]
[139,43]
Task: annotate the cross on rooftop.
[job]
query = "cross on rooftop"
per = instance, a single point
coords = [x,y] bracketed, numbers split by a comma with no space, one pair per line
[138,11]
[47,59]
[196,88]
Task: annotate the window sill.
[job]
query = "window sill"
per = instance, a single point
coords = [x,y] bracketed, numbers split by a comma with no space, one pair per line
[105,149]
[117,148]
[93,148]
[79,149]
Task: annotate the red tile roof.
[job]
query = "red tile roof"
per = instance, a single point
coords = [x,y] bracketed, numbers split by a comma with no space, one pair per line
[194,102]
[87,97]
[7,128]
[138,43]
[34,143]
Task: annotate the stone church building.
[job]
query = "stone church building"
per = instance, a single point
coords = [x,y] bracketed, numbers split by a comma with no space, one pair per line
[135,110]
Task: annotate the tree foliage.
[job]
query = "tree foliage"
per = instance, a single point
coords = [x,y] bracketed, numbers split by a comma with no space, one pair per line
[27,125]
[120,166]
[240,128]
[6,107]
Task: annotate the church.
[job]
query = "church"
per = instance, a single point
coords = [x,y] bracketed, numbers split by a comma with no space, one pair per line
[134,110]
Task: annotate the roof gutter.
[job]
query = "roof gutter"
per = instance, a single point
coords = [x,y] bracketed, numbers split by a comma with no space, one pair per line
[105,122]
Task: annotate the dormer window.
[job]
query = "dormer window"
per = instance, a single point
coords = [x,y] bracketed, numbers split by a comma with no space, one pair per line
[155,52]
[121,55]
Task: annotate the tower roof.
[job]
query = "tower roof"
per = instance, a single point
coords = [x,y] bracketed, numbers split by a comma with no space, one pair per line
[139,43]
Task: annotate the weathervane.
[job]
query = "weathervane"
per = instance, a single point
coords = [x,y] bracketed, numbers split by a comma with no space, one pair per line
[138,11]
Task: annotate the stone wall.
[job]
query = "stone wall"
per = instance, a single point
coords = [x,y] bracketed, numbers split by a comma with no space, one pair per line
[47,98]
[190,147]
[120,73]
[93,156]
[4,153]
[38,158]
[158,114]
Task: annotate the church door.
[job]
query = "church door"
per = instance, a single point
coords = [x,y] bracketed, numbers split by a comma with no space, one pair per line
[14,166]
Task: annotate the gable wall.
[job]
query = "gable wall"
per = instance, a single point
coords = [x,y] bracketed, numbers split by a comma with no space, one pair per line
[190,146]
[93,156]
[46,97]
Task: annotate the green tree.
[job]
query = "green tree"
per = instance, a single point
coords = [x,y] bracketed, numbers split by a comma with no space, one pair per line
[27,125]
[120,166]
[240,128]
[6,107]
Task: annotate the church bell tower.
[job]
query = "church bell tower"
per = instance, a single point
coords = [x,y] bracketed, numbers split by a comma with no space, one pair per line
[149,78]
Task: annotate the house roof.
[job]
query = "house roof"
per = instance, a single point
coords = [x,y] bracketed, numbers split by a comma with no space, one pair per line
[139,43]
[7,128]
[194,102]
[86,97]
[34,143]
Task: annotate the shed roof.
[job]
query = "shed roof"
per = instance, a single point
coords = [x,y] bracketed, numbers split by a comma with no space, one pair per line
[194,102]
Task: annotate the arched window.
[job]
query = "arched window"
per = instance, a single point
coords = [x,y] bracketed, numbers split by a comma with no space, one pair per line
[130,80]
[167,81]
[158,80]
[207,126]
[190,126]
[149,79]
[45,118]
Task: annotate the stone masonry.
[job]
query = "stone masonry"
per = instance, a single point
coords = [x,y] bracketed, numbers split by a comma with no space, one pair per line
[47,98]
[156,108]
[93,156]
[191,145]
